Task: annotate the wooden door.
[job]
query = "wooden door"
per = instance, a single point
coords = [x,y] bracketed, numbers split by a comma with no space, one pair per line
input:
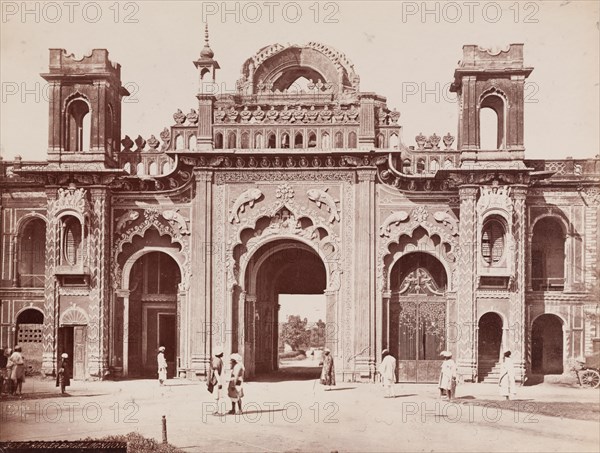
[79,339]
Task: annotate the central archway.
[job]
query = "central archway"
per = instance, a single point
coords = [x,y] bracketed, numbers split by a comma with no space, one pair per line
[417,316]
[280,267]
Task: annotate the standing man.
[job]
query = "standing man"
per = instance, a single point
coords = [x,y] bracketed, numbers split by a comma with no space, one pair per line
[387,370]
[448,375]
[216,377]
[63,377]
[162,365]
[507,384]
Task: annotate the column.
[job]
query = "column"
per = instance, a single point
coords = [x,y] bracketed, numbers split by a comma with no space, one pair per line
[205,122]
[467,277]
[366,132]
[332,328]
[199,324]
[49,329]
[364,271]
[124,293]
[517,296]
[386,298]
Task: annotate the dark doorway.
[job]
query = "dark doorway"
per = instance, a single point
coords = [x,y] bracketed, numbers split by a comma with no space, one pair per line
[167,337]
[547,345]
[72,339]
[489,344]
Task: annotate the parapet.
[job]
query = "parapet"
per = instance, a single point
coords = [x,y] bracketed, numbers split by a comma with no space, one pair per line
[95,63]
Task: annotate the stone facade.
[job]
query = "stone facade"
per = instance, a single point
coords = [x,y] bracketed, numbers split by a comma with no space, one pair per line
[188,239]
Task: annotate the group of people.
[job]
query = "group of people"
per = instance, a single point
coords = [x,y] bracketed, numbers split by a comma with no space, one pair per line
[217,380]
[12,371]
[448,376]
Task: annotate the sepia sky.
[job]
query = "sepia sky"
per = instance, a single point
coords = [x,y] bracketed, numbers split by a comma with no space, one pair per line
[405,51]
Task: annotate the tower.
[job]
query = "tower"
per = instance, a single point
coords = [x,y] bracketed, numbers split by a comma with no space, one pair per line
[494,80]
[85,108]
[207,70]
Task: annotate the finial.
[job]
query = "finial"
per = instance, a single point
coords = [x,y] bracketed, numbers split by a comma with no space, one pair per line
[206,52]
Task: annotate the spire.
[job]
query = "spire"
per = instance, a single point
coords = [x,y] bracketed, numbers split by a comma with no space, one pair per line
[206,52]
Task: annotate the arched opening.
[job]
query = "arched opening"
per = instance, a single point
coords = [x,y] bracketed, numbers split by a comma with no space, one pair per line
[491,123]
[417,316]
[166,167]
[352,140]
[71,241]
[489,344]
[271,143]
[285,278]
[78,127]
[380,141]
[325,141]
[218,140]
[245,140]
[407,167]
[298,140]
[110,139]
[127,167]
[548,255]
[232,140]
[32,254]
[140,171]
[258,141]
[448,164]
[394,141]
[153,285]
[285,140]
[153,168]
[312,140]
[192,143]
[28,334]
[547,345]
[433,166]
[339,140]
[299,79]
[492,241]
[420,166]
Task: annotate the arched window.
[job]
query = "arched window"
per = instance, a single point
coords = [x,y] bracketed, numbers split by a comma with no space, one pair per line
[271,143]
[298,140]
[491,123]
[78,127]
[492,241]
[406,167]
[285,140]
[127,167]
[258,141]
[433,165]
[232,140]
[140,169]
[32,256]
[339,140]
[352,140]
[179,142]
[153,169]
[192,143]
[71,241]
[325,141]
[166,167]
[312,140]
[548,255]
[420,166]
[394,141]
[218,140]
[448,164]
[245,140]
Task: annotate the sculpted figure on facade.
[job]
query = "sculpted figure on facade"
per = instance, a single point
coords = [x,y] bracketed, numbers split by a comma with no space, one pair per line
[126,218]
[248,197]
[320,196]
[395,218]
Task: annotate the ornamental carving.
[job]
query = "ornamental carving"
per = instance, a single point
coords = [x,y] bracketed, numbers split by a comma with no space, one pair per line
[447,219]
[421,282]
[284,192]
[494,197]
[192,117]
[125,219]
[320,197]
[248,197]
[69,199]
[179,117]
[395,218]
[176,220]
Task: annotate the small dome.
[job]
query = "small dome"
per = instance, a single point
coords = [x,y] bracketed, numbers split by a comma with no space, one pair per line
[207,52]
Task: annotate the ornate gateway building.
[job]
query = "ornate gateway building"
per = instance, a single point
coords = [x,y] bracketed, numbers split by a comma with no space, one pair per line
[114,245]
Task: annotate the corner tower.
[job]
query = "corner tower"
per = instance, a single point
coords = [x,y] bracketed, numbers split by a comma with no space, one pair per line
[207,69]
[85,108]
[494,80]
